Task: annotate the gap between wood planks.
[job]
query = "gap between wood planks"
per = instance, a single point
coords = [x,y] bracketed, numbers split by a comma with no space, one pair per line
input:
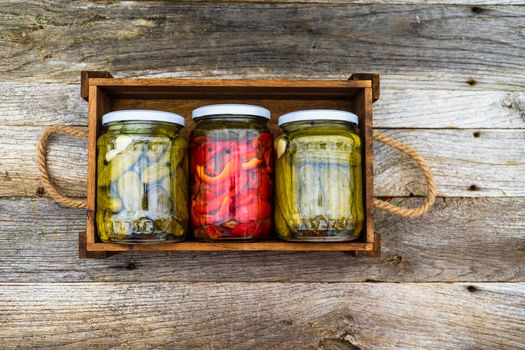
[470,286]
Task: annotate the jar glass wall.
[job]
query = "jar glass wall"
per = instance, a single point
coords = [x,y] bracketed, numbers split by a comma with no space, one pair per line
[231,172]
[142,184]
[318,177]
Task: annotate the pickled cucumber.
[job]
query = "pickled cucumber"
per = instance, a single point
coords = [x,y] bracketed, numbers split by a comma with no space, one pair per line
[285,195]
[142,185]
[156,148]
[181,195]
[156,171]
[178,151]
[110,203]
[159,203]
[318,183]
[131,191]
[104,224]
[280,222]
[119,164]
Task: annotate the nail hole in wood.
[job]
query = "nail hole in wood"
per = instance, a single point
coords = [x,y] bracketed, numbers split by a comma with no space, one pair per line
[474,188]
[131,267]
[472,289]
[476,9]
[40,191]
[472,82]
[477,134]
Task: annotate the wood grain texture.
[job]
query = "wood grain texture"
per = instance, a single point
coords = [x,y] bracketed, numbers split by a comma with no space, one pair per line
[371,2]
[449,109]
[464,163]
[266,245]
[262,315]
[491,164]
[444,64]
[25,104]
[410,46]
[481,239]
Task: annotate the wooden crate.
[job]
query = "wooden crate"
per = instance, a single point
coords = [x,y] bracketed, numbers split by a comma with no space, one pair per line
[105,93]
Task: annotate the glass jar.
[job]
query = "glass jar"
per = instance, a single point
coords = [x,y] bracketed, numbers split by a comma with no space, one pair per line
[231,166]
[318,177]
[142,181]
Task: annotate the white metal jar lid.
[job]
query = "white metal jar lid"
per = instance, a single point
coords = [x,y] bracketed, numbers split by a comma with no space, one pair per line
[318,114]
[231,110]
[142,115]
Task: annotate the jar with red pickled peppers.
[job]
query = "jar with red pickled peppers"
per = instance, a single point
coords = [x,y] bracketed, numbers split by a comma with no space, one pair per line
[231,165]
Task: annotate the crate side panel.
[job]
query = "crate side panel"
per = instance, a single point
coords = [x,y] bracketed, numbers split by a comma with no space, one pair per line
[362,106]
[99,104]
[275,245]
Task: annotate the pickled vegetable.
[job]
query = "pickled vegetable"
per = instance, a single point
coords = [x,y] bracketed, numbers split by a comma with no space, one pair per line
[142,184]
[231,172]
[318,182]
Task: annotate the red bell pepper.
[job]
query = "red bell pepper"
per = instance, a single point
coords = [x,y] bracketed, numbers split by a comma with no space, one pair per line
[251,164]
[253,228]
[264,190]
[225,173]
[255,209]
[245,197]
[248,228]
[213,232]
[232,188]
[221,214]
[264,139]
[208,205]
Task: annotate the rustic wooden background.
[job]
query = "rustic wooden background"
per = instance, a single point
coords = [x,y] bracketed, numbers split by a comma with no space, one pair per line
[453,87]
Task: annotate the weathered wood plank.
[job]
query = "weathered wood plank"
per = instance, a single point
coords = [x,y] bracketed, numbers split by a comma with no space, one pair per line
[465,163]
[33,104]
[411,46]
[459,240]
[377,2]
[67,162]
[449,109]
[372,2]
[269,315]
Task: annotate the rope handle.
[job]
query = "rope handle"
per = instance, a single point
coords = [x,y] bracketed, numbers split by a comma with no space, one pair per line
[431,185]
[41,158]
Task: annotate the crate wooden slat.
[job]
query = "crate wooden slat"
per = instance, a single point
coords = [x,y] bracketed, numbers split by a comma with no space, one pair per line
[105,93]
[246,246]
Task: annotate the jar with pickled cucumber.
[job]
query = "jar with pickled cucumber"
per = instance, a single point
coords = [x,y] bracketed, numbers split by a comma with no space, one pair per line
[318,177]
[231,169]
[142,181]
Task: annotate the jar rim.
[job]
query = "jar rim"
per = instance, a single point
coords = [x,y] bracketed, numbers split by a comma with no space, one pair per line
[318,114]
[142,115]
[230,109]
